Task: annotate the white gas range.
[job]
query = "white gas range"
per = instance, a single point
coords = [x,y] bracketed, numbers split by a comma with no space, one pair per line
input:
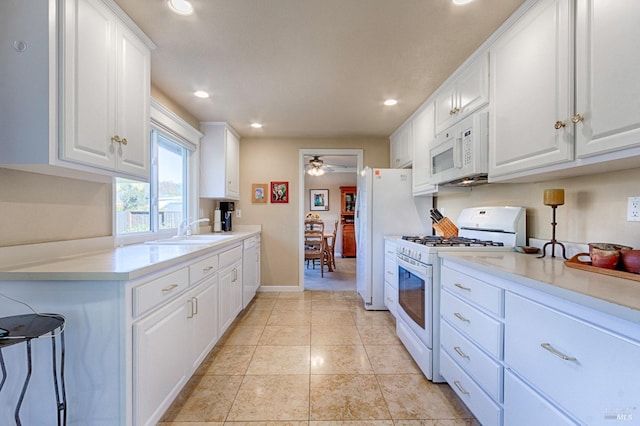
[417,324]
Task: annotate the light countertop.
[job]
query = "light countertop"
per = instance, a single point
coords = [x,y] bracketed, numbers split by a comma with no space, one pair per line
[616,296]
[121,263]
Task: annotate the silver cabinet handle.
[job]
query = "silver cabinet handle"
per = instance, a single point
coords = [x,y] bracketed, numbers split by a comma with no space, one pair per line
[169,288]
[459,351]
[190,302]
[207,269]
[460,388]
[461,318]
[460,286]
[548,347]
[195,305]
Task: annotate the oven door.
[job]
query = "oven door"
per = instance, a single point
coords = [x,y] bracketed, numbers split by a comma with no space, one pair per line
[415,297]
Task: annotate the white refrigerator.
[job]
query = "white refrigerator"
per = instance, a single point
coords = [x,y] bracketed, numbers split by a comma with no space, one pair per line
[384,206]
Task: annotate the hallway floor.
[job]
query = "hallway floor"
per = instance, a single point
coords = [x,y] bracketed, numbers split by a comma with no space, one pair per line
[313,358]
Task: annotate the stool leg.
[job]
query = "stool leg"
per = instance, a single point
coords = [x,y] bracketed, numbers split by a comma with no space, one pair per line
[24,387]
[4,371]
[61,403]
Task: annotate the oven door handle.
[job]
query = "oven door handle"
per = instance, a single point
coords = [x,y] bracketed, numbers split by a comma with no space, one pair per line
[422,271]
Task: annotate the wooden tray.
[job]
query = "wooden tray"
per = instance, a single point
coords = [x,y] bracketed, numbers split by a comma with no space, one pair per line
[586,266]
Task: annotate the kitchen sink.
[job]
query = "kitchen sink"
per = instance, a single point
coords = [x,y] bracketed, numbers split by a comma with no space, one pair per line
[200,239]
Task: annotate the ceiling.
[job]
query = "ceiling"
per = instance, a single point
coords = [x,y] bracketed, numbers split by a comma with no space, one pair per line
[311,68]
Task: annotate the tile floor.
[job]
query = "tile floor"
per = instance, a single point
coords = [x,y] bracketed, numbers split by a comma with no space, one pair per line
[313,358]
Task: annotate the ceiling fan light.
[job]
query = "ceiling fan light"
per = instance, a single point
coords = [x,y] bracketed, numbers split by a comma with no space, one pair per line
[181,7]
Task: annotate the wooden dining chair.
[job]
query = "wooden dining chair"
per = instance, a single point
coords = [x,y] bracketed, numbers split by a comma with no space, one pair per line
[330,245]
[314,249]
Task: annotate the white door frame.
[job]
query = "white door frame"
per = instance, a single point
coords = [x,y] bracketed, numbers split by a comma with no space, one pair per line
[359,153]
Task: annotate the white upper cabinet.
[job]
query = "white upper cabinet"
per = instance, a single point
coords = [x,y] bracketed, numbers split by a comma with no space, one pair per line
[531,95]
[401,147]
[219,162]
[79,80]
[467,93]
[555,116]
[423,134]
[607,112]
[106,85]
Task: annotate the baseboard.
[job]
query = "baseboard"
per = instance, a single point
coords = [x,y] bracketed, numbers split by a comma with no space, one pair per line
[279,288]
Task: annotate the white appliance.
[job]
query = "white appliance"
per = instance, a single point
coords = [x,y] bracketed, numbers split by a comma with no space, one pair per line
[384,206]
[459,155]
[418,320]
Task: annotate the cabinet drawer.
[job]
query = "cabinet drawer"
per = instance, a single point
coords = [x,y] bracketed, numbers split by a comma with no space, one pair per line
[203,268]
[391,298]
[481,405]
[474,290]
[480,327]
[230,256]
[594,379]
[486,371]
[391,271]
[155,292]
[525,407]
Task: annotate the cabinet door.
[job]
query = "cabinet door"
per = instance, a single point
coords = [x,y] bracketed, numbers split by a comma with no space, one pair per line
[531,81]
[525,407]
[348,240]
[203,319]
[159,367]
[400,147]
[233,165]
[423,135]
[225,316]
[469,92]
[607,84]
[89,81]
[132,104]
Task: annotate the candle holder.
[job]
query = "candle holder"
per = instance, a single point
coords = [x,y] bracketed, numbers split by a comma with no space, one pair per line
[553,198]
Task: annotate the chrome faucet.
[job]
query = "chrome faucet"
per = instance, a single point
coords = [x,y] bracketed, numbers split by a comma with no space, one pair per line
[184,229]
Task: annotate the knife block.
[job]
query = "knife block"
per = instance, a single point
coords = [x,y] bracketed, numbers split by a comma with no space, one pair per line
[445,228]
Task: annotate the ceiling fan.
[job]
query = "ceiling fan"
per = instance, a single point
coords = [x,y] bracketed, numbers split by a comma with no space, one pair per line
[316,166]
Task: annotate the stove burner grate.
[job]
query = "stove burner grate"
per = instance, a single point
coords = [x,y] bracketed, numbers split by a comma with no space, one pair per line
[436,241]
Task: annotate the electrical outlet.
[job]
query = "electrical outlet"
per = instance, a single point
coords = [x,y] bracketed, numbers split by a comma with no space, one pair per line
[633,209]
[238,213]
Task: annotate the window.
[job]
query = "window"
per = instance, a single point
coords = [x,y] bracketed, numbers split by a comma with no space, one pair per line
[160,204]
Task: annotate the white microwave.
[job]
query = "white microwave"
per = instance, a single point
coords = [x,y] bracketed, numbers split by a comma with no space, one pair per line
[459,155]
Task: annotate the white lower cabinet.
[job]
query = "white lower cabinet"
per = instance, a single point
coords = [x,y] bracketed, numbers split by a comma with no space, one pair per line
[202,319]
[471,331]
[230,287]
[158,361]
[586,370]
[525,407]
[554,363]
[390,276]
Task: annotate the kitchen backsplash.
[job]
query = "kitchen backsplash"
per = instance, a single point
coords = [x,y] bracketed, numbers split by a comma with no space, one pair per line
[595,208]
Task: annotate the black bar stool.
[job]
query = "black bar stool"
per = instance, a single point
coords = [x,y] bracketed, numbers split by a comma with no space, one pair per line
[24,328]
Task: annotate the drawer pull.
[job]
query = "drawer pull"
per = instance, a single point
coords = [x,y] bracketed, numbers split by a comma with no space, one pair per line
[207,269]
[169,288]
[461,318]
[460,388]
[190,302]
[460,286]
[559,354]
[459,351]
[195,305]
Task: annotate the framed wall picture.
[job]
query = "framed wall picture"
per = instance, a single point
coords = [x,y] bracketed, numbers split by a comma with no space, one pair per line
[260,193]
[279,192]
[319,199]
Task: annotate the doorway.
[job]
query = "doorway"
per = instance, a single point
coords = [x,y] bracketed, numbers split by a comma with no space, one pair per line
[340,168]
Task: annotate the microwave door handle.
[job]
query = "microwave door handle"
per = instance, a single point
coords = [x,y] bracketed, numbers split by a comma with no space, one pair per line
[457,152]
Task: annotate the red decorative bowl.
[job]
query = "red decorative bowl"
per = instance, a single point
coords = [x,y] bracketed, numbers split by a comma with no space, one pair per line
[631,260]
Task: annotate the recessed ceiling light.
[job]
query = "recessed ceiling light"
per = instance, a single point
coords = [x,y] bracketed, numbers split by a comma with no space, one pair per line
[201,94]
[256,125]
[390,102]
[461,2]
[181,7]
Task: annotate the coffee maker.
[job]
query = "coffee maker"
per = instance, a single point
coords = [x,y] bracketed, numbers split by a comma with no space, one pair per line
[226,212]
